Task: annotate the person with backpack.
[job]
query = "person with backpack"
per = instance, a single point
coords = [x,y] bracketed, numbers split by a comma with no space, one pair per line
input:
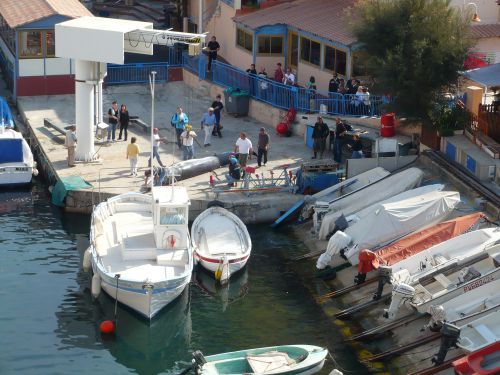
[179,121]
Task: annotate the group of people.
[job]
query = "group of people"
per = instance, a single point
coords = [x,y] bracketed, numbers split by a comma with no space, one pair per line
[118,116]
[338,139]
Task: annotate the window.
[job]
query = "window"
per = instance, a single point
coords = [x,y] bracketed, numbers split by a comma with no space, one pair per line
[244,39]
[171,216]
[50,38]
[30,44]
[37,44]
[310,51]
[335,60]
[270,44]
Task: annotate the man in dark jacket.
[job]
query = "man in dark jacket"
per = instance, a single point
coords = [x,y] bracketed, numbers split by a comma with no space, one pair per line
[319,135]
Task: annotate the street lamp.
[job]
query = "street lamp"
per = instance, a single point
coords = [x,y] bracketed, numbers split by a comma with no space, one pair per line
[475,16]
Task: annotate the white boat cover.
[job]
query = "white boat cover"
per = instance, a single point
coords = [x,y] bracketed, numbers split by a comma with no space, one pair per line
[338,241]
[388,221]
[12,134]
[270,361]
[356,201]
[394,220]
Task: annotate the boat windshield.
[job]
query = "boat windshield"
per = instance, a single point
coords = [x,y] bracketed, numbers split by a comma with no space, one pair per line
[172,215]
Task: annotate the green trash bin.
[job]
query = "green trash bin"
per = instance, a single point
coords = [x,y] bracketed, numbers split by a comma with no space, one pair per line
[237,101]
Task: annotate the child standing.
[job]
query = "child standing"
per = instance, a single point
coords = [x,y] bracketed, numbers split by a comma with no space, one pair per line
[132,154]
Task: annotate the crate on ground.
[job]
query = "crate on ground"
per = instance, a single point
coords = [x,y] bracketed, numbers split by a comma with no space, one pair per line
[323,165]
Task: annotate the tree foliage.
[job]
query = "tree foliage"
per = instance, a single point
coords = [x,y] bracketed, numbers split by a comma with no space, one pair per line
[412,48]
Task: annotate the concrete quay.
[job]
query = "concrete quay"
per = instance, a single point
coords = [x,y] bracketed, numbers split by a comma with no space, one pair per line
[110,175]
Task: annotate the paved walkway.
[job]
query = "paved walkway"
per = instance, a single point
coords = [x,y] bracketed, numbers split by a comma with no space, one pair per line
[113,169]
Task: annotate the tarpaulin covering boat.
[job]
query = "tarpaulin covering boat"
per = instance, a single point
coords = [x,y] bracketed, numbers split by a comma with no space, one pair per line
[417,242]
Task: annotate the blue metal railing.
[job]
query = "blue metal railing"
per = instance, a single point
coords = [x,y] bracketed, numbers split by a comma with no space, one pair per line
[300,98]
[191,63]
[136,73]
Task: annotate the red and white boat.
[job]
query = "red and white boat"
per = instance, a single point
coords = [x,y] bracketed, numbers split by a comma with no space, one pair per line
[485,361]
[221,242]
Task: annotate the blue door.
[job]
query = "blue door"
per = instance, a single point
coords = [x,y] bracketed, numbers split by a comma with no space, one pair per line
[471,164]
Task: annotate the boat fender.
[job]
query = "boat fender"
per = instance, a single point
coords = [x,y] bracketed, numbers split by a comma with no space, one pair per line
[87,260]
[336,372]
[215,203]
[35,172]
[400,294]
[96,285]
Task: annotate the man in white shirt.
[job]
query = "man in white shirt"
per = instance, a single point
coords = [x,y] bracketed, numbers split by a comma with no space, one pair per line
[156,145]
[188,136]
[289,77]
[244,149]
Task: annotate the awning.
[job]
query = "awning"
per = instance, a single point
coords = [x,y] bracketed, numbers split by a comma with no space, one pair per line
[488,76]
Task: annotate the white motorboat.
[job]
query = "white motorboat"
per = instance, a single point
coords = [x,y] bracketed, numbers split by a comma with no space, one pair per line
[480,333]
[351,203]
[449,256]
[221,242]
[140,250]
[17,166]
[385,222]
[320,202]
[479,301]
[276,360]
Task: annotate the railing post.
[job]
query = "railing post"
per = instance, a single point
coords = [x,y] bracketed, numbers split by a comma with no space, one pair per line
[201,67]
[295,93]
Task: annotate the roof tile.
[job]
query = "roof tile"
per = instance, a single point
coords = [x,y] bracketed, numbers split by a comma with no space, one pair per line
[486,31]
[21,12]
[323,18]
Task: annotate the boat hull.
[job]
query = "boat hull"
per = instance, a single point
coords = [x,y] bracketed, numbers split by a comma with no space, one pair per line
[10,177]
[135,294]
[212,263]
[311,364]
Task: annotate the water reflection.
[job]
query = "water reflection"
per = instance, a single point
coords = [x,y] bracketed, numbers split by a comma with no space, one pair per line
[236,289]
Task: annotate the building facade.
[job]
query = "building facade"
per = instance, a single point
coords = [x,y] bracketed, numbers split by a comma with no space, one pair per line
[27,46]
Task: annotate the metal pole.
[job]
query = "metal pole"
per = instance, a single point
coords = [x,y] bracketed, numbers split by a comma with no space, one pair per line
[152,77]
[200,16]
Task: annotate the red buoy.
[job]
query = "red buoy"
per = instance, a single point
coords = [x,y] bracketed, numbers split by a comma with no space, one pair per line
[107,326]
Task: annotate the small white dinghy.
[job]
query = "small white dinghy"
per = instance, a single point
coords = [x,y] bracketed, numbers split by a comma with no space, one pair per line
[17,165]
[480,333]
[221,242]
[140,250]
[276,360]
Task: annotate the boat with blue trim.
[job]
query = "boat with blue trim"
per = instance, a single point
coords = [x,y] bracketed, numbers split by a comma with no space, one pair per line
[140,250]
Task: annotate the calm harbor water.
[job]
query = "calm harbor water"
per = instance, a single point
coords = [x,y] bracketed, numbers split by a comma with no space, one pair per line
[49,321]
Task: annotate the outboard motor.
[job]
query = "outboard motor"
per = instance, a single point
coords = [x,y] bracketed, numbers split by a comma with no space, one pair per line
[468,274]
[438,316]
[449,337]
[198,361]
[400,294]
[384,277]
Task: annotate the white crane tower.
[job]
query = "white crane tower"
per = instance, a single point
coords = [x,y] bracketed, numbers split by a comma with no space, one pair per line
[94,41]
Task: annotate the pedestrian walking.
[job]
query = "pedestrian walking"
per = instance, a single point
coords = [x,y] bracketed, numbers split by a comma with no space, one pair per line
[179,120]
[132,155]
[70,144]
[207,124]
[340,134]
[213,47]
[113,114]
[262,147]
[243,147]
[124,120]
[319,135]
[157,140]
[218,107]
[188,137]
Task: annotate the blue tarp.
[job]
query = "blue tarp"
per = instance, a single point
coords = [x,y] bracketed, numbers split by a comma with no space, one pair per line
[5,113]
[64,185]
[11,150]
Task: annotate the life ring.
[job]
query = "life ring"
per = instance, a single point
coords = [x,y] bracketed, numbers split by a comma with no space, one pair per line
[170,239]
